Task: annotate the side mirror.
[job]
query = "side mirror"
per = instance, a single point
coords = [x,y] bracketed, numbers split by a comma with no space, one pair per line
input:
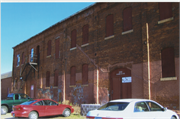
[164,108]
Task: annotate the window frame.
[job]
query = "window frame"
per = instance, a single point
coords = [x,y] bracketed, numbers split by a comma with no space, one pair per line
[127,19]
[73,75]
[49,48]
[73,38]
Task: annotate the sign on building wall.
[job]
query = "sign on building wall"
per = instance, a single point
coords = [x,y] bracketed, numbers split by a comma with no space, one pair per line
[126,80]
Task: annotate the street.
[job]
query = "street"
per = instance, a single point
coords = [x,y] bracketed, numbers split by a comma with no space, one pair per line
[73,116]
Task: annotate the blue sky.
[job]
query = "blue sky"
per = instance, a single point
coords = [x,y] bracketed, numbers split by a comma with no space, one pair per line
[21,21]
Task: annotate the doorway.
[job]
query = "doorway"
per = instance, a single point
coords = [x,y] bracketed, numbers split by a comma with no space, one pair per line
[120,84]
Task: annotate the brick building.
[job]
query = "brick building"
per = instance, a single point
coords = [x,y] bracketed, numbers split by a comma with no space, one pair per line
[107,51]
[6,79]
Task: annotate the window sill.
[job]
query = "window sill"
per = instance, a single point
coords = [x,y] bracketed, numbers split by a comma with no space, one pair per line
[168,79]
[165,20]
[47,87]
[85,45]
[109,37]
[72,86]
[126,32]
[48,56]
[72,48]
[84,85]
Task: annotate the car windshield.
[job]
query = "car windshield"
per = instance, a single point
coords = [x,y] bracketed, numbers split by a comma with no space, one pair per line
[28,102]
[10,96]
[114,106]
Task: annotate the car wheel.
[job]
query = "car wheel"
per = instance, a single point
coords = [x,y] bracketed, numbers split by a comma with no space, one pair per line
[66,112]
[33,115]
[4,110]
[173,117]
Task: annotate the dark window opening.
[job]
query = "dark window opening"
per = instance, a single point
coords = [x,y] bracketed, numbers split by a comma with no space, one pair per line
[73,38]
[85,74]
[109,25]
[73,76]
[165,10]
[48,79]
[85,34]
[127,19]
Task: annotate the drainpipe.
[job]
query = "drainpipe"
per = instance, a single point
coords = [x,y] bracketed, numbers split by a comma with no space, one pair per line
[148,55]
[97,86]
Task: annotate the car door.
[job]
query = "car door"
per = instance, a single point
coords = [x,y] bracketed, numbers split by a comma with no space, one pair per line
[156,110]
[39,106]
[51,108]
[17,100]
[141,111]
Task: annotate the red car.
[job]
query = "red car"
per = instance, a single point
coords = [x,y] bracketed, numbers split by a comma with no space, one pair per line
[40,108]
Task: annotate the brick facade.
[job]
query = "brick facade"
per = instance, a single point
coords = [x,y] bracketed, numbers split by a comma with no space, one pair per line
[6,84]
[116,54]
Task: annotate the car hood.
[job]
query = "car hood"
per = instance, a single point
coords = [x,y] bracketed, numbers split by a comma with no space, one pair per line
[105,113]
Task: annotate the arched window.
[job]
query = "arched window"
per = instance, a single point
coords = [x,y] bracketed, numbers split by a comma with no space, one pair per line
[127,19]
[49,48]
[168,63]
[73,38]
[56,78]
[109,25]
[48,79]
[73,76]
[85,36]
[85,74]
[165,10]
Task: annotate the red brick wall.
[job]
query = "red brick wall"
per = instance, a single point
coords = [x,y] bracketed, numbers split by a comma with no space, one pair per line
[5,87]
[121,50]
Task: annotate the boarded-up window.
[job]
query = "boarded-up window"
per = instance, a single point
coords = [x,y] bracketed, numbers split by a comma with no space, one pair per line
[85,34]
[109,25]
[48,79]
[57,48]
[22,61]
[49,48]
[73,76]
[56,78]
[85,74]
[168,63]
[127,19]
[73,38]
[165,10]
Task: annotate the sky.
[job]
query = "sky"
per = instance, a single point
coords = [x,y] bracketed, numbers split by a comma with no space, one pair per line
[21,21]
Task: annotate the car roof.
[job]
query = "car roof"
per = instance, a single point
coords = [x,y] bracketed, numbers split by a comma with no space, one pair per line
[129,100]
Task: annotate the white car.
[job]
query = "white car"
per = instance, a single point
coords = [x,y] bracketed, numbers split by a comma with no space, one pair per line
[132,109]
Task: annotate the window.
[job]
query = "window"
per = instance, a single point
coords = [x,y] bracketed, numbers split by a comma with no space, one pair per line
[23,96]
[168,63]
[56,78]
[140,107]
[73,76]
[22,62]
[32,54]
[49,102]
[165,10]
[18,59]
[48,79]
[16,96]
[39,103]
[85,34]
[57,48]
[153,106]
[109,25]
[49,48]
[85,74]
[73,38]
[127,19]
[114,106]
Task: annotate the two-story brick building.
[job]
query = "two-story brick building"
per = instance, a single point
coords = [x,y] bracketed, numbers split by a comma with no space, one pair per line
[107,51]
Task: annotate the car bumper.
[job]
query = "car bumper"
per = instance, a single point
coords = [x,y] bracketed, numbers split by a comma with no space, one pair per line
[19,113]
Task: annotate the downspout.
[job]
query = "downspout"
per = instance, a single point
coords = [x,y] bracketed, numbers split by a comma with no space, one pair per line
[97,86]
[148,55]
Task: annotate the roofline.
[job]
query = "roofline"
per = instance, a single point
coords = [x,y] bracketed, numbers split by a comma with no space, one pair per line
[58,23]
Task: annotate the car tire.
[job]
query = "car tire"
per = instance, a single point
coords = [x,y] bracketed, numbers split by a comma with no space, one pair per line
[33,115]
[66,112]
[173,117]
[4,110]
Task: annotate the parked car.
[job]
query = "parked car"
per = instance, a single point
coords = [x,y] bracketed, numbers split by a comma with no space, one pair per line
[41,108]
[13,99]
[132,109]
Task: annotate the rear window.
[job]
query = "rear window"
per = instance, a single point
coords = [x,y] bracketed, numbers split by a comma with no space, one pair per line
[10,96]
[114,106]
[28,102]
